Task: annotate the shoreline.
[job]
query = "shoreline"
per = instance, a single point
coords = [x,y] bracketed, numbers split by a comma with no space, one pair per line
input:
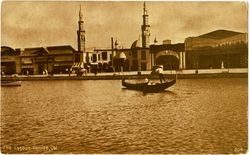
[120,76]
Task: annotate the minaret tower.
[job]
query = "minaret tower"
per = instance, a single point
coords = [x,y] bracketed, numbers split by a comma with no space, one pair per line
[81,38]
[145,28]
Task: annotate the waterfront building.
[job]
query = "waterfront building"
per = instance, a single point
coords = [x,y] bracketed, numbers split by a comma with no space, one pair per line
[10,61]
[122,59]
[137,57]
[52,59]
[217,49]
[37,60]
[140,56]
[102,59]
[111,59]
[63,58]
[171,56]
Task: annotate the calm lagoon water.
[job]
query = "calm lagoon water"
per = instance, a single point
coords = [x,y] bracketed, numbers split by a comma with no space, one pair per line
[194,116]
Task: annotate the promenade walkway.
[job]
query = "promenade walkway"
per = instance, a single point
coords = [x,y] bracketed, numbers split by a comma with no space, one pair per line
[144,73]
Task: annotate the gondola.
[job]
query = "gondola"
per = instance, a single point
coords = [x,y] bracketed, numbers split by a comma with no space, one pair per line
[10,83]
[148,86]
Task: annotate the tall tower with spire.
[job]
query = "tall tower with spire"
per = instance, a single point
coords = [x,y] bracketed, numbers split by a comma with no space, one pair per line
[145,28]
[81,38]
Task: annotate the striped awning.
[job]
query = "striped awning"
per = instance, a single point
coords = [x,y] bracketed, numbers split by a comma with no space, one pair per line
[78,65]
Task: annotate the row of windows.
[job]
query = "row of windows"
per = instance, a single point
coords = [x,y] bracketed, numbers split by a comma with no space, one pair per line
[234,42]
[30,60]
[102,56]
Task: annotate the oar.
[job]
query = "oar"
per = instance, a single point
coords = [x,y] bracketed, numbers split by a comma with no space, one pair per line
[176,75]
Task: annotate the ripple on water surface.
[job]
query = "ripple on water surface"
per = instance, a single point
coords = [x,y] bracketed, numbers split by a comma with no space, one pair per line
[194,116]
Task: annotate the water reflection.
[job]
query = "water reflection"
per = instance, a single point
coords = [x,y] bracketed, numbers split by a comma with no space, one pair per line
[194,116]
[166,92]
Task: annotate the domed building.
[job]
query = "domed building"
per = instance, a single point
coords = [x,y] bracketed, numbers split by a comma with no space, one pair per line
[140,56]
[136,44]
[122,59]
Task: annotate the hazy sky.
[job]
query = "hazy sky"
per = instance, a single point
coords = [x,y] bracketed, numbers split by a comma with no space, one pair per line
[34,24]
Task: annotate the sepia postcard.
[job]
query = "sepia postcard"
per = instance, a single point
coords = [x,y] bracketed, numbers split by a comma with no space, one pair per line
[124,77]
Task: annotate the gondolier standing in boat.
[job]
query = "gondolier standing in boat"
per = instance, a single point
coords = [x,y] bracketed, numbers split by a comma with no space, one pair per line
[159,70]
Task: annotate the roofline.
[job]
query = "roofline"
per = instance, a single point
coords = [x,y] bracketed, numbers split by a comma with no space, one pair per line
[13,51]
[236,33]
[123,49]
[175,47]
[8,47]
[61,46]
[104,49]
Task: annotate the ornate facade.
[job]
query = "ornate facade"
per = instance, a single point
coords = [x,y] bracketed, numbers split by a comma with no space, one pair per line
[81,40]
[145,28]
[139,56]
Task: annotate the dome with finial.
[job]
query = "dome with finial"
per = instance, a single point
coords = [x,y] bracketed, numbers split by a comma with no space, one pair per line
[136,43]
